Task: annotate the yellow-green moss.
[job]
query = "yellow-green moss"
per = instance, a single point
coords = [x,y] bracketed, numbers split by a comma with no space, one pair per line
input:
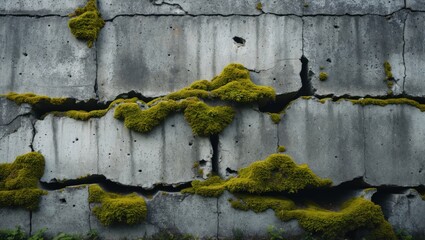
[355,214]
[306,97]
[324,100]
[19,181]
[388,69]
[275,117]
[86,23]
[33,99]
[117,209]
[391,101]
[277,173]
[281,149]
[323,76]
[259,6]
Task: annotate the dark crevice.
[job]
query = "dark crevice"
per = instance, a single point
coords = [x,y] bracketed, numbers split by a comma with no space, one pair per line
[42,108]
[134,94]
[281,102]
[231,171]
[34,132]
[14,119]
[306,89]
[334,98]
[95,80]
[404,51]
[30,233]
[214,159]
[111,186]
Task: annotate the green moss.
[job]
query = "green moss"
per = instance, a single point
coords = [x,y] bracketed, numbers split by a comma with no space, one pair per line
[261,203]
[306,97]
[86,23]
[19,181]
[324,100]
[277,173]
[323,76]
[259,6]
[281,149]
[117,209]
[276,118]
[33,99]
[388,69]
[391,101]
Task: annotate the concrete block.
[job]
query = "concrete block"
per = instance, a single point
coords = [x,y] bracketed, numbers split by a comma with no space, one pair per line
[352,51]
[66,210]
[41,55]
[15,139]
[9,111]
[101,146]
[252,136]
[414,55]
[11,218]
[161,54]
[352,7]
[40,8]
[417,5]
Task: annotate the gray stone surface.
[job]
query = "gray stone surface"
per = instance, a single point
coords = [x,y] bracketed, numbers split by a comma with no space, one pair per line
[414,55]
[418,5]
[41,55]
[250,224]
[406,211]
[40,8]
[158,55]
[9,111]
[102,146]
[250,137]
[190,214]
[352,51]
[15,139]
[11,218]
[66,210]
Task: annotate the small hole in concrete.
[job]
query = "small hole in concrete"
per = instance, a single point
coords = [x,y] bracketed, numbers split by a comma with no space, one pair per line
[328,60]
[202,163]
[239,41]
[140,170]
[25,54]
[73,205]
[190,143]
[336,26]
[62,200]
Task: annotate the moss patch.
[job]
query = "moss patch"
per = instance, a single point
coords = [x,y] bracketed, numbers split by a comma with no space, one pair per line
[33,99]
[281,149]
[323,76]
[19,181]
[277,173]
[275,117]
[117,209]
[389,79]
[391,101]
[259,6]
[86,23]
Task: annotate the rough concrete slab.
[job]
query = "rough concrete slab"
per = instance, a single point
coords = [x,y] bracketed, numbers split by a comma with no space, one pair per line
[40,8]
[251,136]
[161,54]
[101,146]
[191,214]
[218,7]
[15,139]
[40,55]
[252,225]
[11,218]
[414,55]
[352,51]
[328,137]
[66,210]
[418,5]
[394,152]
[406,211]
[9,111]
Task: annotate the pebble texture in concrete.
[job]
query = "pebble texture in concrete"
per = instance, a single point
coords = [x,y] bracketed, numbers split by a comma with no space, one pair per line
[40,55]
[41,7]
[15,139]
[352,55]
[66,210]
[101,146]
[158,55]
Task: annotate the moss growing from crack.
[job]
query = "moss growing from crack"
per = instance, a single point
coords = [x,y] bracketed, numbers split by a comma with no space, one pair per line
[277,173]
[19,181]
[275,117]
[259,6]
[86,23]
[391,101]
[31,98]
[323,76]
[355,214]
[388,69]
[117,209]
[281,149]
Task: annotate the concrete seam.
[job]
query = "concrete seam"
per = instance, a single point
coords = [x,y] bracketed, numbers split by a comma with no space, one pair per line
[404,51]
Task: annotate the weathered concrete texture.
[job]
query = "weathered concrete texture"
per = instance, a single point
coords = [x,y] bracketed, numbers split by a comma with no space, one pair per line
[219,7]
[250,224]
[414,55]
[158,55]
[418,5]
[11,218]
[40,8]
[352,51]
[342,141]
[179,213]
[9,111]
[406,211]
[251,136]
[15,139]
[66,210]
[41,55]
[101,146]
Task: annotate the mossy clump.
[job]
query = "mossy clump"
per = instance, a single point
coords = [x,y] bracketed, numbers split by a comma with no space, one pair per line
[31,98]
[86,23]
[275,117]
[391,101]
[277,173]
[388,70]
[281,149]
[117,209]
[259,6]
[355,214]
[19,181]
[205,120]
[323,76]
